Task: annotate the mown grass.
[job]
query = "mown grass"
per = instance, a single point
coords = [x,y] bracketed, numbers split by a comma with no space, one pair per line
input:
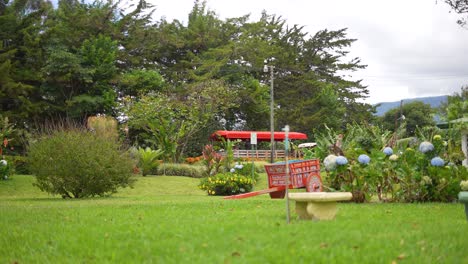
[168,220]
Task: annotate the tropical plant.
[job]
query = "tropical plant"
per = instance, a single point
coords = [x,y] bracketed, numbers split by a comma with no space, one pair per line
[212,160]
[148,160]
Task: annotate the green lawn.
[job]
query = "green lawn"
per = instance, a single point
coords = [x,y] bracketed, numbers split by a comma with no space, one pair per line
[168,220]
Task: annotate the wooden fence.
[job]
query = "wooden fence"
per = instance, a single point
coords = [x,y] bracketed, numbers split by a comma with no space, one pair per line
[259,154]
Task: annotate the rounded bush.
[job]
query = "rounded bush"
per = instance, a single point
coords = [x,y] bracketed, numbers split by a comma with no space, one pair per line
[79,163]
[364,159]
[226,184]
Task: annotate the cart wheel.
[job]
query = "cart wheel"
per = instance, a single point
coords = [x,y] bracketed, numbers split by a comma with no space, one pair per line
[314,183]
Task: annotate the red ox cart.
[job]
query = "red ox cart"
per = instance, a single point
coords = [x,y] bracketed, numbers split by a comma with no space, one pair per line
[302,174]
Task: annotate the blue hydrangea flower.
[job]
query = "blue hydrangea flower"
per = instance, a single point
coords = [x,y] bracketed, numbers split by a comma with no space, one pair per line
[388,151]
[437,162]
[364,159]
[426,146]
[341,160]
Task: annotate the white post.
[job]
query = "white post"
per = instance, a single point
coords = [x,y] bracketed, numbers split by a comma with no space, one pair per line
[272,117]
[465,146]
[286,146]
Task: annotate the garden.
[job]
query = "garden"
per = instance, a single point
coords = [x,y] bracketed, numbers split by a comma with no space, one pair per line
[105,117]
[175,213]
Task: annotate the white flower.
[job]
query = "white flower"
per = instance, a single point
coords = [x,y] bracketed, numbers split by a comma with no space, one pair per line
[464,185]
[233,170]
[330,162]
[238,166]
[426,146]
[3,162]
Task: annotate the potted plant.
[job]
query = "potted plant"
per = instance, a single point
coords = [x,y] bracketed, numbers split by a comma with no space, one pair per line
[463,196]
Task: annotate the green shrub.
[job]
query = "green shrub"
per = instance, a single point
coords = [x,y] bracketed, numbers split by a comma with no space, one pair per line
[212,160]
[260,166]
[245,169]
[76,163]
[176,169]
[226,184]
[19,164]
[148,160]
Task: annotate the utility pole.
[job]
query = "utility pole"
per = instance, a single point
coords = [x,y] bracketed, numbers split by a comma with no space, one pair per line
[272,114]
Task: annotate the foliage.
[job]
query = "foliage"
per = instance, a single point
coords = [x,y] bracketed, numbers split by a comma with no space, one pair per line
[178,169]
[6,133]
[456,106]
[76,164]
[212,160]
[228,183]
[193,160]
[104,126]
[228,147]
[148,160]
[410,116]
[358,139]
[18,164]
[139,82]
[429,173]
[245,169]
[170,121]
[82,59]
[460,7]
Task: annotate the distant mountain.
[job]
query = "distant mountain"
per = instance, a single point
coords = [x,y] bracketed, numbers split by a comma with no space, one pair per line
[434,101]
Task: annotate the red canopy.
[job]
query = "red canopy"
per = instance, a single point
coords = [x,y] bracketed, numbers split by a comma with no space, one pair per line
[261,135]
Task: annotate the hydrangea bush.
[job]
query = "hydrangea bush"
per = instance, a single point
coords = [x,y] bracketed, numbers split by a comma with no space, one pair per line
[418,171]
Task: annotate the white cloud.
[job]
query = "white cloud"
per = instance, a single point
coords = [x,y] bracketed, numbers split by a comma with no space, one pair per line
[412,48]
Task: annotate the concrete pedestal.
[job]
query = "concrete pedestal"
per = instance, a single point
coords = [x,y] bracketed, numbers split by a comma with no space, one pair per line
[318,205]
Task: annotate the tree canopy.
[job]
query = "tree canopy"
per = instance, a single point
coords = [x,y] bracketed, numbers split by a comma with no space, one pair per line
[409,116]
[81,59]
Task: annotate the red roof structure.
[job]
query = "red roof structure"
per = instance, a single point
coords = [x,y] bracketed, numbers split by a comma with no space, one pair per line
[261,135]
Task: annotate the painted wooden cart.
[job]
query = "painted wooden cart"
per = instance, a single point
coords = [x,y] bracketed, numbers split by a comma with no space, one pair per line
[302,174]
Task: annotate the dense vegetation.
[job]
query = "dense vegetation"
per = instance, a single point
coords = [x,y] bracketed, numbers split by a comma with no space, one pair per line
[171,84]
[81,59]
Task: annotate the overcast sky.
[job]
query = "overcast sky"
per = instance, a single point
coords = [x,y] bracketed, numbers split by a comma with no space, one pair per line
[413,48]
